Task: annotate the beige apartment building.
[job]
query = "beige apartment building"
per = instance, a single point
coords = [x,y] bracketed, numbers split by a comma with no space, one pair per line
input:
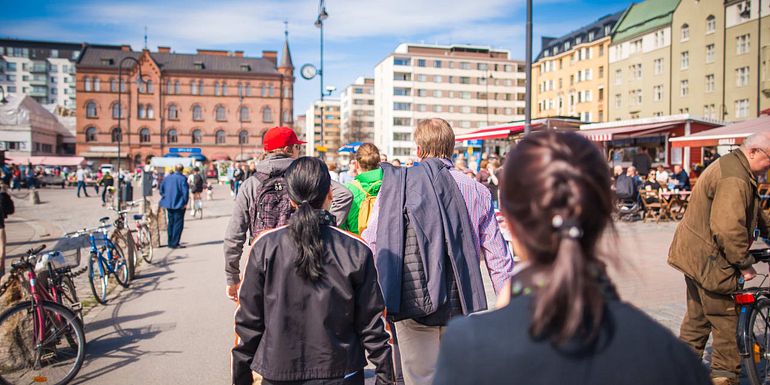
[570,74]
[698,57]
[640,61]
[332,139]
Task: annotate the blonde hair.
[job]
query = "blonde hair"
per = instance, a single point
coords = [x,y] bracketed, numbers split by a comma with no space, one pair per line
[368,156]
[435,138]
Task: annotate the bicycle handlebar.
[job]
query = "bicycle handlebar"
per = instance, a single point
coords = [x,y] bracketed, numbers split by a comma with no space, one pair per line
[87,230]
[36,250]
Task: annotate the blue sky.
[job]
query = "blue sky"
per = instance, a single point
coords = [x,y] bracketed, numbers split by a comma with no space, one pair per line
[358,33]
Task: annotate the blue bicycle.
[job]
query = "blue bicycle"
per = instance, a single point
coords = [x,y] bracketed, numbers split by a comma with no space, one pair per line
[105,258]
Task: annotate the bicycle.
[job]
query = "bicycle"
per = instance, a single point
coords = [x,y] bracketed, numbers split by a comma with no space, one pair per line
[99,266]
[41,341]
[57,274]
[140,235]
[753,332]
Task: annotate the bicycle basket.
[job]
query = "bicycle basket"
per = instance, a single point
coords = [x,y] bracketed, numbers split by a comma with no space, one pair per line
[70,250]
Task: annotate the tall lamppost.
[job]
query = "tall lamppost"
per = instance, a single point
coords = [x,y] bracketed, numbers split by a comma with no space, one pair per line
[319,23]
[240,118]
[528,69]
[120,109]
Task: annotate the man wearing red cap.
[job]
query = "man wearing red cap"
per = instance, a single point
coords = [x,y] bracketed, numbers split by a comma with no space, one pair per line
[282,147]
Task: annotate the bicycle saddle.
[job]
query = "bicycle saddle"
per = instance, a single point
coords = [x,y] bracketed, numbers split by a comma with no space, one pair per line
[138,217]
[104,219]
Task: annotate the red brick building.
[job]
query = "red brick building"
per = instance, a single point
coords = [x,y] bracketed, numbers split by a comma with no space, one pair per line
[218,101]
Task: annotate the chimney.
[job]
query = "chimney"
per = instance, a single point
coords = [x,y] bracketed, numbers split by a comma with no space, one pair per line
[164,49]
[214,52]
[271,56]
[125,48]
[238,53]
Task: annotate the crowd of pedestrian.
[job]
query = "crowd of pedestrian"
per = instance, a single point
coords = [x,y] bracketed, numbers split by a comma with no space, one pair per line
[315,301]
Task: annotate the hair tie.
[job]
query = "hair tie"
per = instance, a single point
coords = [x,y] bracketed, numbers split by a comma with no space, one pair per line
[567,228]
[303,201]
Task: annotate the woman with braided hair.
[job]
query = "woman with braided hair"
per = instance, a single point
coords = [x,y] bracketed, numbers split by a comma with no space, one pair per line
[560,320]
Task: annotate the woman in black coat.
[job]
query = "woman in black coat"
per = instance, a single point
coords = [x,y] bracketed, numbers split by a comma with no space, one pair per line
[561,321]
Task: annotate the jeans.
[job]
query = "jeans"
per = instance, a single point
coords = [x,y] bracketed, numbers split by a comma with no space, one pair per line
[175,226]
[82,185]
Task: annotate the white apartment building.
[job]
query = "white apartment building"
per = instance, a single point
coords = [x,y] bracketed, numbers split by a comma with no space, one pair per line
[469,86]
[332,140]
[43,70]
[357,111]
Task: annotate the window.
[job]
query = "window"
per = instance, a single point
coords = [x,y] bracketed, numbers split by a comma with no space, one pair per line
[422,78]
[742,77]
[142,113]
[193,87]
[197,113]
[217,90]
[618,100]
[172,112]
[224,89]
[243,137]
[171,136]
[90,110]
[150,112]
[150,89]
[437,64]
[685,32]
[660,38]
[116,113]
[115,135]
[437,78]
[401,91]
[220,113]
[421,62]
[401,61]
[742,108]
[711,24]
[464,65]
[601,50]
[685,60]
[196,136]
[709,53]
[742,44]
[169,88]
[267,115]
[144,135]
[240,89]
[710,83]
[684,88]
[220,137]
[402,122]
[658,66]
[87,84]
[177,87]
[636,46]
[12,67]
[244,114]
[263,91]
[399,106]
[141,86]
[91,134]
[591,35]
[657,93]
[618,77]
[248,90]
[113,85]
[97,85]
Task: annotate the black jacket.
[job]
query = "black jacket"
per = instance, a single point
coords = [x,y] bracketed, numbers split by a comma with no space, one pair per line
[496,348]
[290,329]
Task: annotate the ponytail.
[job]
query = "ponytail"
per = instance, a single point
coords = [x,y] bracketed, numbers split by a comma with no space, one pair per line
[308,182]
[305,230]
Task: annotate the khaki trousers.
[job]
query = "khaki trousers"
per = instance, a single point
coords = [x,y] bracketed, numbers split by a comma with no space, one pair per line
[418,345]
[709,313]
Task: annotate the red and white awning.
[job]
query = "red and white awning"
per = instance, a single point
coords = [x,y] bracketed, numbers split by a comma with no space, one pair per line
[501,131]
[636,130]
[731,134]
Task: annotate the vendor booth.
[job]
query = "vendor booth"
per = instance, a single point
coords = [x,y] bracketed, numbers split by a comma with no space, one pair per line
[496,139]
[622,140]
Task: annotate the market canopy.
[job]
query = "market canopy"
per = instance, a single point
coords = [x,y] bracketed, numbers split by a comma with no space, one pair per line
[634,128]
[170,162]
[350,147]
[46,160]
[608,134]
[500,131]
[731,134]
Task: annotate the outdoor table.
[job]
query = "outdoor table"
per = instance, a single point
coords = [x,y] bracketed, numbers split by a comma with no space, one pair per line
[675,203]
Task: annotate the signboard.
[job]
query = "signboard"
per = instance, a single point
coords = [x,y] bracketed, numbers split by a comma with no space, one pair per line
[180,150]
[727,142]
[104,148]
[473,143]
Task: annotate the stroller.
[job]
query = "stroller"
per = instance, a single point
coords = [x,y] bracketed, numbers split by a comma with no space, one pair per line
[628,210]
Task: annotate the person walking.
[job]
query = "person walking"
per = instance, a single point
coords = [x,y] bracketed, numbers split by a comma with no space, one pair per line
[80,176]
[106,182]
[175,192]
[263,203]
[710,248]
[310,303]
[364,187]
[31,178]
[196,188]
[434,213]
[559,318]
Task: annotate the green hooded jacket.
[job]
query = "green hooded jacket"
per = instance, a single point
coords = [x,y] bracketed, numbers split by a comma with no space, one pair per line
[370,181]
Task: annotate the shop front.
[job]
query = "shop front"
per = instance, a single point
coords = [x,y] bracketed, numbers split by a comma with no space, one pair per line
[622,141]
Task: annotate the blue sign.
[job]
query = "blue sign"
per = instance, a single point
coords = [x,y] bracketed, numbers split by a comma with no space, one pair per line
[474,143]
[180,150]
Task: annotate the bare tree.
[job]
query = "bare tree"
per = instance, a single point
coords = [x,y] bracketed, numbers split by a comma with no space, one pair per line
[356,130]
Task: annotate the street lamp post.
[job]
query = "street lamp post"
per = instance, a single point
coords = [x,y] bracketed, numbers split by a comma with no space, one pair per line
[528,93]
[319,23]
[240,118]
[120,110]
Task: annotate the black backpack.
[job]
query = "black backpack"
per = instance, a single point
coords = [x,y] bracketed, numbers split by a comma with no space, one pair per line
[272,208]
[624,187]
[7,202]
[198,182]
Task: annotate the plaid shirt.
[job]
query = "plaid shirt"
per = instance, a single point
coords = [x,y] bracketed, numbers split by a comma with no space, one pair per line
[487,238]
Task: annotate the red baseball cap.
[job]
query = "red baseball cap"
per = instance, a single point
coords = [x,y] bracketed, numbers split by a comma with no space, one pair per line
[279,137]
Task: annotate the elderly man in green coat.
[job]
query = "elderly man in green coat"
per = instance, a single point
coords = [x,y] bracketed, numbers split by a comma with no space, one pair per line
[711,245]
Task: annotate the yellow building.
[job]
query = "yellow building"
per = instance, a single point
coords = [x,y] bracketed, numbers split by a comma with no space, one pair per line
[570,73]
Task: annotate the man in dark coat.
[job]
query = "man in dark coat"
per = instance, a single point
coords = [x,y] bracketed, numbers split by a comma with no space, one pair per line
[175,192]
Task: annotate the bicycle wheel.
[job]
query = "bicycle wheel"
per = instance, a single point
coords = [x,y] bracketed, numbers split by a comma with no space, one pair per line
[119,266]
[51,351]
[121,241]
[146,241]
[757,365]
[68,297]
[98,276]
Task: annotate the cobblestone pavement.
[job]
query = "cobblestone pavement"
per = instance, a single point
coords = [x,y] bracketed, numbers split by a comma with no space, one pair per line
[174,324]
